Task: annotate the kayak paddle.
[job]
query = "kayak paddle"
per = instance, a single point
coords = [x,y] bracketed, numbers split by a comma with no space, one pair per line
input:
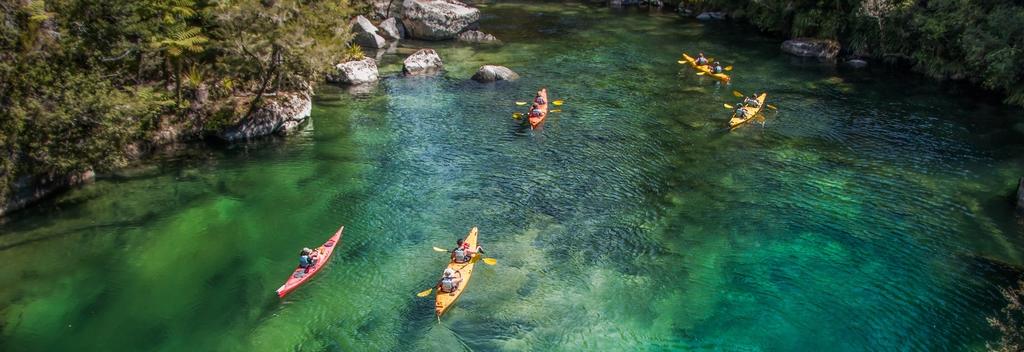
[558,102]
[520,103]
[727,106]
[488,261]
[728,68]
[770,106]
[556,110]
[737,94]
[425,293]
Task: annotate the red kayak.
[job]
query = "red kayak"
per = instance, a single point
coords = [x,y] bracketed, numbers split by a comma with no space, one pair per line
[300,275]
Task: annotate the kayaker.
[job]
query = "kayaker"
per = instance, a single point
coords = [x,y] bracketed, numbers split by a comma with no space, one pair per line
[449,283]
[752,100]
[740,111]
[701,60]
[307,259]
[717,67]
[462,253]
[535,110]
[539,100]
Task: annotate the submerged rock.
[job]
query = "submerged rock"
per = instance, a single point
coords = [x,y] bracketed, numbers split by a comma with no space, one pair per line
[477,37]
[811,47]
[437,19]
[28,190]
[355,72]
[392,28]
[422,62]
[491,73]
[856,63]
[279,114]
[707,16]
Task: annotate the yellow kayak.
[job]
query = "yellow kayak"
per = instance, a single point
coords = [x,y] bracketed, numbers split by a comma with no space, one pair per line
[736,121]
[445,300]
[704,68]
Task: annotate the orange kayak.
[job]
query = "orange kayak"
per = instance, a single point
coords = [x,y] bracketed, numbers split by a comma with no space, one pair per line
[536,120]
[705,68]
[445,300]
[300,276]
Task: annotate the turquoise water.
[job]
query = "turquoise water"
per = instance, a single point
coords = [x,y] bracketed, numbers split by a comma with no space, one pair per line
[871,212]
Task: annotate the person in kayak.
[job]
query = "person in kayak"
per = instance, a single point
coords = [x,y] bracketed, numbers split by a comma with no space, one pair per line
[462,253]
[717,67]
[752,100]
[701,60]
[539,100]
[307,259]
[449,283]
[535,110]
[740,111]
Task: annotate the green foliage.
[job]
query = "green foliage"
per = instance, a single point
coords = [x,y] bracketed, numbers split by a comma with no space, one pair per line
[81,80]
[353,52]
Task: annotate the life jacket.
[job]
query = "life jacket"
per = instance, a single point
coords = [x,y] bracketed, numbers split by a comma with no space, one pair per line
[539,101]
[461,256]
[305,261]
[448,284]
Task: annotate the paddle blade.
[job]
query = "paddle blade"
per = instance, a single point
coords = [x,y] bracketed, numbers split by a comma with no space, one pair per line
[440,250]
[558,102]
[737,94]
[556,110]
[770,106]
[490,261]
[700,73]
[425,293]
[520,103]
[681,61]
[727,106]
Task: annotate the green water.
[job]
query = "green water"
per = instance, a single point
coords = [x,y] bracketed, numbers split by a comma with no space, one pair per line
[871,213]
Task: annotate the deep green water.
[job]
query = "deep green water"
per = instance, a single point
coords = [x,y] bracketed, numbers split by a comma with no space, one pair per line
[871,213]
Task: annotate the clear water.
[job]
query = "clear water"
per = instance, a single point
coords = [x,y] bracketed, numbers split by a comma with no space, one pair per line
[870,213]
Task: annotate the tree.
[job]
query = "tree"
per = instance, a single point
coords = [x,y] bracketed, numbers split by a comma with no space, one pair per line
[283,44]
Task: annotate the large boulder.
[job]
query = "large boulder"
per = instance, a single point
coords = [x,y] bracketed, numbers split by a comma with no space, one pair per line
[280,113]
[491,73]
[366,34]
[355,72]
[28,190]
[477,37]
[423,62]
[811,47]
[392,28]
[437,19]
[386,8]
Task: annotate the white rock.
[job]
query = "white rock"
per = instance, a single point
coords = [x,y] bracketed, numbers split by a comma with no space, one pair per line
[424,61]
[392,28]
[437,19]
[356,72]
[477,37]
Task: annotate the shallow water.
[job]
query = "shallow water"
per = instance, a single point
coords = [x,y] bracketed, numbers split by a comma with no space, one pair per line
[870,213]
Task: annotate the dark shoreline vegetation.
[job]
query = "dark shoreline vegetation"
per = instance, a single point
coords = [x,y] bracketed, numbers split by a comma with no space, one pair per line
[978,41]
